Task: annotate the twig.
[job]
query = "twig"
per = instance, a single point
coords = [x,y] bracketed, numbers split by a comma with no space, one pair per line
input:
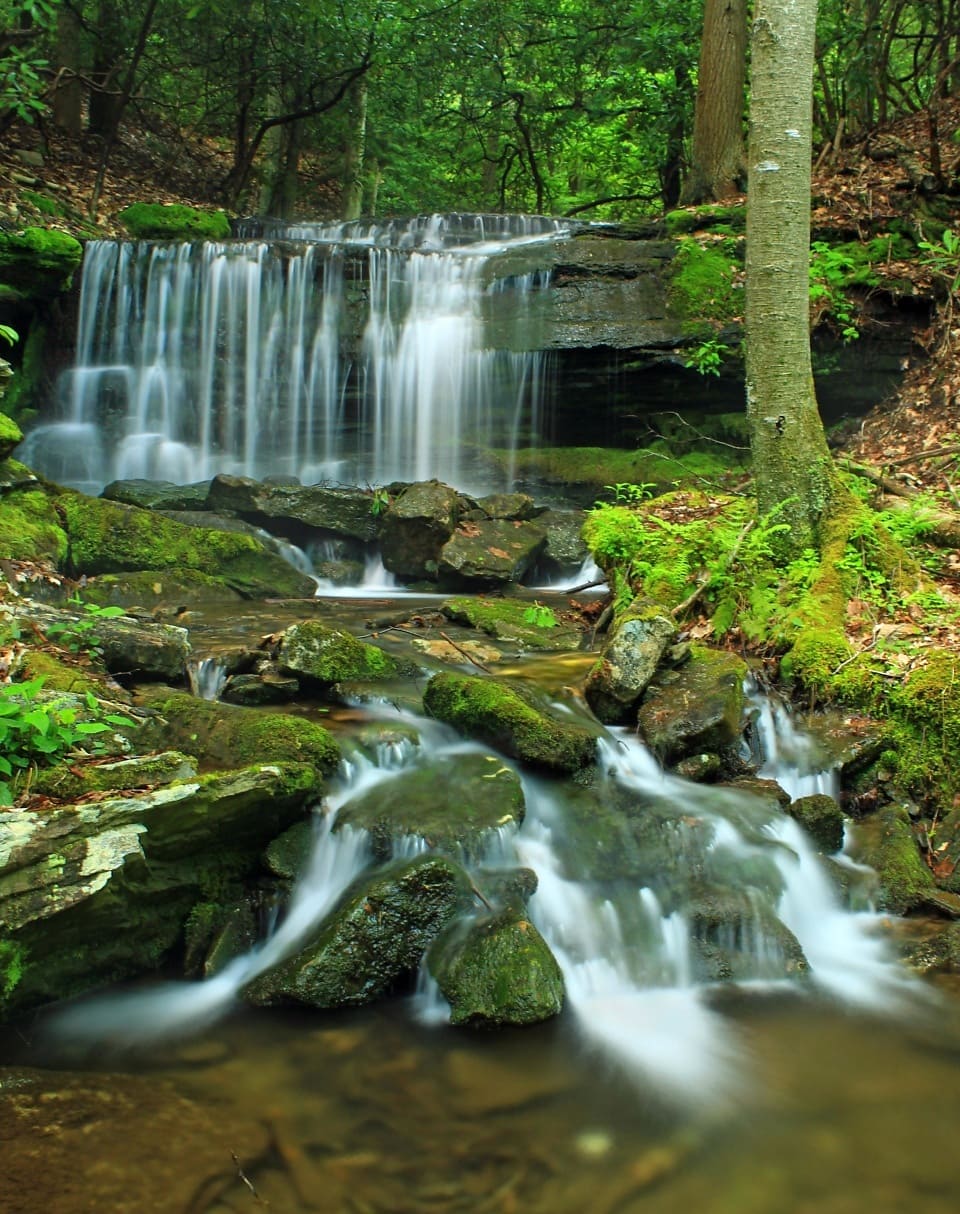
[600,581]
[482,898]
[469,657]
[877,478]
[919,456]
[247,1181]
[704,579]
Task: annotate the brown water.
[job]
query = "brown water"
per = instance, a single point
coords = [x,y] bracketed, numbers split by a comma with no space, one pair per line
[373,1114]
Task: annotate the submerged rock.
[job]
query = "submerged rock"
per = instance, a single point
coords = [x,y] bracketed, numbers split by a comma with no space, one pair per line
[696,709]
[376,936]
[497,970]
[507,716]
[615,684]
[454,803]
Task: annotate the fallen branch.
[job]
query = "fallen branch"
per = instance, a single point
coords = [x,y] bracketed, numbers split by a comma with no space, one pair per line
[877,478]
[469,657]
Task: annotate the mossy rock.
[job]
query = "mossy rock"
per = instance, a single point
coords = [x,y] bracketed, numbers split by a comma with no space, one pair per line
[65,675]
[822,819]
[455,803]
[416,526]
[923,728]
[227,736]
[216,934]
[163,592]
[696,709]
[885,841]
[719,218]
[173,221]
[108,537]
[641,637]
[374,938]
[10,435]
[69,782]
[495,971]
[329,655]
[287,856]
[514,620]
[158,495]
[38,262]
[30,528]
[508,717]
[738,937]
[703,282]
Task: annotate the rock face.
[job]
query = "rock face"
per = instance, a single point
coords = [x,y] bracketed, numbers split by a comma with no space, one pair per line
[415,528]
[490,552]
[495,971]
[329,655]
[453,803]
[100,890]
[301,512]
[507,717]
[697,709]
[376,936]
[885,842]
[614,686]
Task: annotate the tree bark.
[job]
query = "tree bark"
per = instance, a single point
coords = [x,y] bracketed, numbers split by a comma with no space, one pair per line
[354,155]
[792,466]
[716,161]
[67,103]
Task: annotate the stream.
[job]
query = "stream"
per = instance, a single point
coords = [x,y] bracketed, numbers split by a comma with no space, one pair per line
[655,1090]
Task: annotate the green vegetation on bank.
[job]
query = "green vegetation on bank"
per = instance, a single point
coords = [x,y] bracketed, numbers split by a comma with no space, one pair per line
[173,221]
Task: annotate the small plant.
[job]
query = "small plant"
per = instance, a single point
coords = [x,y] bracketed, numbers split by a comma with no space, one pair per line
[34,731]
[707,358]
[379,501]
[540,616]
[79,636]
[627,494]
[10,336]
[943,257]
[830,271]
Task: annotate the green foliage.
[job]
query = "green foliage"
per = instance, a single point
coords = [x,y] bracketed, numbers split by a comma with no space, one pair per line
[626,493]
[80,636]
[35,731]
[943,258]
[10,336]
[831,268]
[540,616]
[707,358]
[703,280]
[379,501]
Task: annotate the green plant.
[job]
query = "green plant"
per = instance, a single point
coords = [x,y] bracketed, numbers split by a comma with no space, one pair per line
[830,271]
[943,257]
[625,493]
[80,636]
[707,358]
[10,336]
[37,731]
[379,501]
[540,615]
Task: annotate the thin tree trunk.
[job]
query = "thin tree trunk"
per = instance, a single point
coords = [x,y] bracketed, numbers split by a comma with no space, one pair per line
[68,98]
[353,159]
[716,161]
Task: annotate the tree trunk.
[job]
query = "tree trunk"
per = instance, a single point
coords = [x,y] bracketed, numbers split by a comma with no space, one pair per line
[716,161]
[792,465]
[353,158]
[68,98]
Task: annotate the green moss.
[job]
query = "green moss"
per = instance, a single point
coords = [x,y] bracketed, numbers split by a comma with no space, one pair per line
[38,262]
[43,203]
[703,282]
[10,435]
[511,620]
[887,844]
[108,537]
[719,218]
[330,655]
[602,467]
[30,528]
[59,675]
[172,221]
[12,964]
[22,396]
[505,716]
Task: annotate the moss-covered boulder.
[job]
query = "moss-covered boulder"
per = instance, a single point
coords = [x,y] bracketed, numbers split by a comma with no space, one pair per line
[822,819]
[255,690]
[30,528]
[68,782]
[162,592]
[301,512]
[109,537]
[10,435]
[490,552]
[508,717]
[415,528]
[227,736]
[38,263]
[632,655]
[885,841]
[329,655]
[697,708]
[497,970]
[100,889]
[525,624]
[173,221]
[455,803]
[63,671]
[371,941]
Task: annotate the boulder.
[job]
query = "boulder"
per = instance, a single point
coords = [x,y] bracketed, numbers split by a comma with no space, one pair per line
[738,937]
[329,655]
[507,506]
[158,495]
[524,624]
[454,803]
[615,684]
[696,709]
[253,690]
[886,842]
[490,552]
[375,937]
[822,819]
[38,263]
[162,592]
[565,550]
[509,717]
[415,527]
[301,512]
[496,970]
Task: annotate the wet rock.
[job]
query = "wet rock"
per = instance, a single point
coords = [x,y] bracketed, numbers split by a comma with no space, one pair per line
[497,970]
[415,528]
[377,935]
[288,854]
[508,717]
[738,937]
[297,511]
[215,935]
[454,803]
[329,655]
[697,708]
[523,623]
[931,947]
[162,592]
[565,550]
[615,684]
[699,768]
[507,506]
[490,552]
[142,771]
[946,841]
[256,689]
[886,842]
[822,819]
[158,495]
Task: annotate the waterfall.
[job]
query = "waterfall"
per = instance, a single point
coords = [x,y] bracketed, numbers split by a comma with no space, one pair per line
[250,356]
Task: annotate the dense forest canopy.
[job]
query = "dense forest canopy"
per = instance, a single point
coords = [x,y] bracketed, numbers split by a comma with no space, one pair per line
[376,107]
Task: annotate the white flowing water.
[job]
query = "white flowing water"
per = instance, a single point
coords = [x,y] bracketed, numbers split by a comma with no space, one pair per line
[207,677]
[234,357]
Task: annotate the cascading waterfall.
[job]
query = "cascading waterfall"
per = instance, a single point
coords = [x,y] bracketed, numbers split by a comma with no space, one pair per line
[243,357]
[682,888]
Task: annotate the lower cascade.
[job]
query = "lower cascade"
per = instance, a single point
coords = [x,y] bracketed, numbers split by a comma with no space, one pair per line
[653,893]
